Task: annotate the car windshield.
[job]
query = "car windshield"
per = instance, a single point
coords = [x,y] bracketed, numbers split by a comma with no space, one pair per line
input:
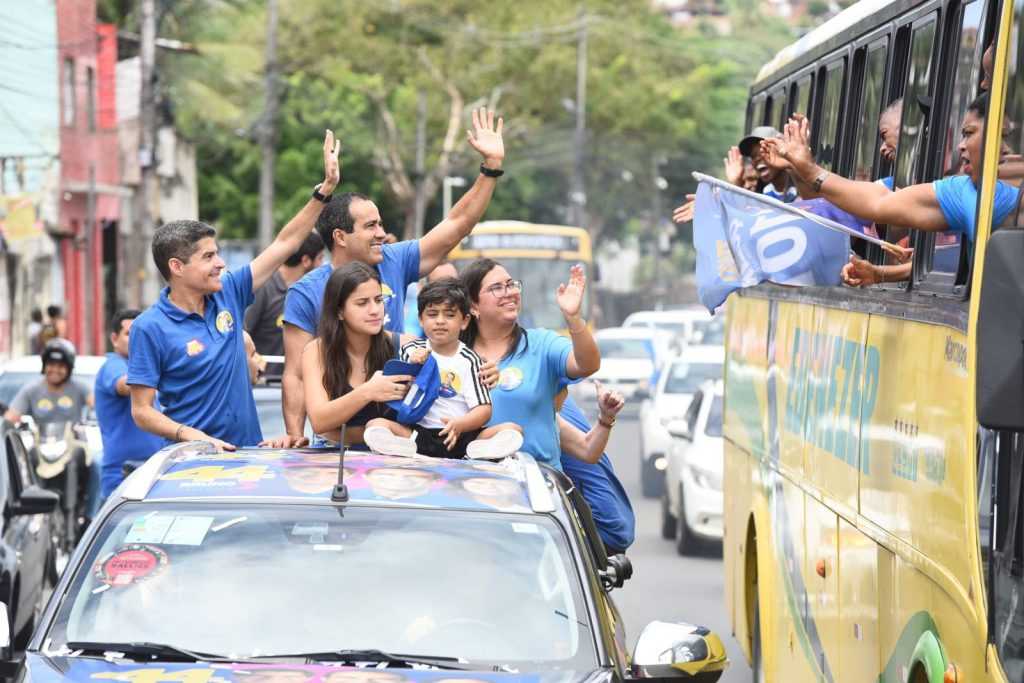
[626,348]
[252,580]
[714,425]
[686,378]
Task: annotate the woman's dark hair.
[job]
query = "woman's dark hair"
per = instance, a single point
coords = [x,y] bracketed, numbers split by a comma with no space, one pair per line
[333,336]
[472,278]
[979,105]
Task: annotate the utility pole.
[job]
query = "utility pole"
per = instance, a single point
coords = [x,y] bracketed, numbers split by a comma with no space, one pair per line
[147,149]
[419,181]
[268,129]
[578,193]
[90,274]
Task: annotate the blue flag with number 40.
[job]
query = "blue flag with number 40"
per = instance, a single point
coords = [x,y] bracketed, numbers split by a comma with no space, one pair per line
[743,240]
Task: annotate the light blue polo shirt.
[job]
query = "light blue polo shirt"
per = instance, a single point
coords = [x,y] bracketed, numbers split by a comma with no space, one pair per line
[958,200]
[400,267]
[198,363]
[525,394]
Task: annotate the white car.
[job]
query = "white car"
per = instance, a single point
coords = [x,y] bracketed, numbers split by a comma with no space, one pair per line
[683,324]
[679,378]
[629,357]
[691,505]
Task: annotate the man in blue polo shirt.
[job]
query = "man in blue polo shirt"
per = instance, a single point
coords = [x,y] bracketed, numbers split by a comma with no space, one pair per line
[352,230]
[189,345]
[123,441]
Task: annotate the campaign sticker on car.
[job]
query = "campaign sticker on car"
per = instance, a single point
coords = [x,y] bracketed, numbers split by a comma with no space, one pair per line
[130,564]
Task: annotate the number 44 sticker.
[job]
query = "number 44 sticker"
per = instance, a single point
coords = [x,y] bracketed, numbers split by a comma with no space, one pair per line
[157,675]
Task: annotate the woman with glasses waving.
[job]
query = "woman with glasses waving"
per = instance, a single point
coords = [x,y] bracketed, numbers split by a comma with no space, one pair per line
[533,363]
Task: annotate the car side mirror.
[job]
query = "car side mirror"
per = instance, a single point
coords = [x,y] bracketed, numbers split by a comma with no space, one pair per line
[35,500]
[679,429]
[1000,359]
[672,650]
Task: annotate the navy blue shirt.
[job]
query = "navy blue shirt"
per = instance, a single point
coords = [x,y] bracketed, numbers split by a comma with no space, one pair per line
[122,438]
[609,504]
[198,363]
[400,267]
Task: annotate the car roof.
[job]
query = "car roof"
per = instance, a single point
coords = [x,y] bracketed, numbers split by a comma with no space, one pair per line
[86,365]
[197,471]
[702,354]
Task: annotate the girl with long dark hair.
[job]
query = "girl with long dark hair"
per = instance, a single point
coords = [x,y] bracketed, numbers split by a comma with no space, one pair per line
[341,367]
[536,363]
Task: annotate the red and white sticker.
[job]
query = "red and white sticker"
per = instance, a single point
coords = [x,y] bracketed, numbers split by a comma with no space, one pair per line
[130,564]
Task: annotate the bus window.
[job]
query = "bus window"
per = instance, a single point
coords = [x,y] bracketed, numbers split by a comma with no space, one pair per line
[783,113]
[868,129]
[802,95]
[967,69]
[916,105]
[757,118]
[828,118]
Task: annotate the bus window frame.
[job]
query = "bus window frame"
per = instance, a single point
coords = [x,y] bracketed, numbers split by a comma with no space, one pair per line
[758,101]
[800,81]
[780,95]
[834,61]
[942,283]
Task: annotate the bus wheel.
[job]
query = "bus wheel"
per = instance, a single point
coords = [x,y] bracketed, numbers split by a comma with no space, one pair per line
[756,657]
[668,522]
[685,541]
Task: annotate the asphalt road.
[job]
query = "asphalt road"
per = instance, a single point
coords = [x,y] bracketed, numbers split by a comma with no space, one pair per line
[666,586]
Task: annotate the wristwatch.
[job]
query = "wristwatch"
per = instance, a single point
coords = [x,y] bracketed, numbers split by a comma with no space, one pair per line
[491,172]
[321,197]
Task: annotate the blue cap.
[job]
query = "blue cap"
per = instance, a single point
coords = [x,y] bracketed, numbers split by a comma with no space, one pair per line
[425,388]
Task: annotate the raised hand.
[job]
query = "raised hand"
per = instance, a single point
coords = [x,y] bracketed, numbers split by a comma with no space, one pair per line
[771,154]
[609,402]
[570,296]
[684,213]
[332,165]
[486,138]
[733,163]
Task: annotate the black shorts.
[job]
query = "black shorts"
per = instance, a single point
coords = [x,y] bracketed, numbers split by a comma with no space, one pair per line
[429,442]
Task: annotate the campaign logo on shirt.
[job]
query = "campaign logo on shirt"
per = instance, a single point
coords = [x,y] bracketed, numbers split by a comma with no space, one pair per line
[194,348]
[44,405]
[65,402]
[451,385]
[225,322]
[511,378]
[388,294]
[280,321]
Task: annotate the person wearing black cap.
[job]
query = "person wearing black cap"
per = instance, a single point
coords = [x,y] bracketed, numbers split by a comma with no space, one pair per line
[55,397]
[777,183]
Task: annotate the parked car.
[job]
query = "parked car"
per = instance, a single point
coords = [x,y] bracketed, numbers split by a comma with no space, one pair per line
[630,357]
[682,324]
[233,565]
[691,504]
[678,381]
[27,559]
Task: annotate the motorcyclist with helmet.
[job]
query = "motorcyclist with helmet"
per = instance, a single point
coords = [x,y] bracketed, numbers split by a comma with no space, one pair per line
[55,397]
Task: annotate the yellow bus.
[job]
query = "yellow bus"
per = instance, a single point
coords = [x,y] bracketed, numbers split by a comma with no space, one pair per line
[874,459]
[540,256]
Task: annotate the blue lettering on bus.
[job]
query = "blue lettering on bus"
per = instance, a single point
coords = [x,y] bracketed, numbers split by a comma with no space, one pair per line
[832,390]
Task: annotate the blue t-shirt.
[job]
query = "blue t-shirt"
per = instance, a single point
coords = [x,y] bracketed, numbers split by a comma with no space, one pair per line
[401,265]
[789,195]
[958,199]
[412,310]
[198,363]
[122,438]
[525,394]
[609,503]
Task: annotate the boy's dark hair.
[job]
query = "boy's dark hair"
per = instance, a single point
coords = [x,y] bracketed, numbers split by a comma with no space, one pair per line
[54,311]
[37,315]
[121,316]
[178,239]
[337,216]
[311,246]
[446,291]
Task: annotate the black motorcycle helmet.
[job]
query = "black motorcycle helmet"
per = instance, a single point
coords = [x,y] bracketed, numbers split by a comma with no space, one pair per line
[58,351]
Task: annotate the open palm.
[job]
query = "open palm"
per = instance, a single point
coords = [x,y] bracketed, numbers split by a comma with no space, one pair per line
[570,296]
[485,137]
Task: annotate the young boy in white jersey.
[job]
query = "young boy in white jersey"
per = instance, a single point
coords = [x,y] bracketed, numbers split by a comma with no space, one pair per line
[454,425]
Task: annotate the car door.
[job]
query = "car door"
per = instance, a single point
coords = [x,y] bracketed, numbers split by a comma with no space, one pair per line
[26,535]
[677,453]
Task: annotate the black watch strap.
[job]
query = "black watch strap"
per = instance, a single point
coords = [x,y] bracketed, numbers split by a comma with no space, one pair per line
[491,172]
[321,197]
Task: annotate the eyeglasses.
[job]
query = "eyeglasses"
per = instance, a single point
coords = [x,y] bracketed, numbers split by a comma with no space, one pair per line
[505,288]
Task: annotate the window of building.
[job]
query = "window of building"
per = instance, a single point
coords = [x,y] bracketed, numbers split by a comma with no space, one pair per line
[68,116]
[90,97]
